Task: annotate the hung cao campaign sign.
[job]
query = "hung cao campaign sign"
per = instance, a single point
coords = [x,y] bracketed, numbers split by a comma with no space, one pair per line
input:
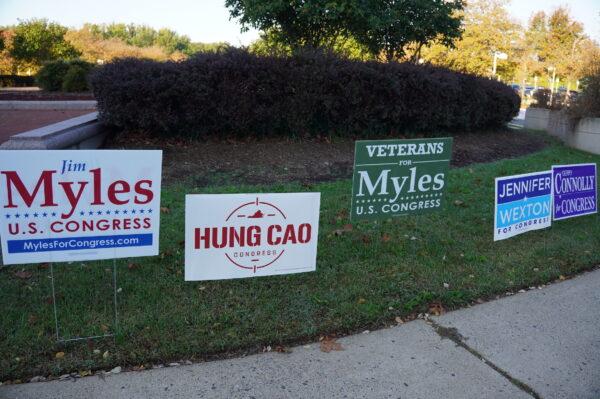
[575,190]
[523,203]
[399,177]
[75,205]
[247,235]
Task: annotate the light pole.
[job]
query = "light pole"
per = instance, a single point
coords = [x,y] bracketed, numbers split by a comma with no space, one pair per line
[553,78]
[498,56]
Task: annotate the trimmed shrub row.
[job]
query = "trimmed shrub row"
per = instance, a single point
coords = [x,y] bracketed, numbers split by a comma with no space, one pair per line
[61,75]
[234,92]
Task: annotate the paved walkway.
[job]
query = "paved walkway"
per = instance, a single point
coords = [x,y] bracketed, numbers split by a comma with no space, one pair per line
[541,344]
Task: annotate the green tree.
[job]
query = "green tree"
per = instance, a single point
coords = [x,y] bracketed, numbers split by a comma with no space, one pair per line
[297,23]
[393,27]
[172,42]
[487,29]
[556,43]
[37,40]
[344,46]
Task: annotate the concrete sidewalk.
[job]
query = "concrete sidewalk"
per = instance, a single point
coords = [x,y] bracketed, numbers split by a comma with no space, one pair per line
[542,343]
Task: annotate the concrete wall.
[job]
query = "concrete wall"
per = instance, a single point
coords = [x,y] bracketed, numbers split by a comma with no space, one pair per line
[583,134]
[587,135]
[82,132]
[537,118]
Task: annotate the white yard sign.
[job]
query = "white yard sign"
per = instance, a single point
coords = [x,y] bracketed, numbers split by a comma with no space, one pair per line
[246,235]
[79,205]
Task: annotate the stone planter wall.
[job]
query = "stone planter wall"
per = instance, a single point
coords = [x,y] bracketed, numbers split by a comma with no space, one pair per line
[82,132]
[583,134]
[537,118]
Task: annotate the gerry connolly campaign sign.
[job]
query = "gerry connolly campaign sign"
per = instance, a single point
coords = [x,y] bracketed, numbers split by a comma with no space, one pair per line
[399,177]
[523,203]
[246,235]
[78,205]
[575,190]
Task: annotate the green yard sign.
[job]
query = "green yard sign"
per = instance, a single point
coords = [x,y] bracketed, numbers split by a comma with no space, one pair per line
[399,177]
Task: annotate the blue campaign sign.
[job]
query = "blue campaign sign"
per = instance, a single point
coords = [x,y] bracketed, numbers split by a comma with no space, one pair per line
[523,203]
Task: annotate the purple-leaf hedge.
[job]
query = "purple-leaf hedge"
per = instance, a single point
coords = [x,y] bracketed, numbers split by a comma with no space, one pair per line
[235,92]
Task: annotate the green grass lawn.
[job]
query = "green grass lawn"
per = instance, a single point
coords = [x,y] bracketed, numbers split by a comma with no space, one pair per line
[362,280]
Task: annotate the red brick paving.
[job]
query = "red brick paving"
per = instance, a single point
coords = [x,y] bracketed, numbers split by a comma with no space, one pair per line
[19,121]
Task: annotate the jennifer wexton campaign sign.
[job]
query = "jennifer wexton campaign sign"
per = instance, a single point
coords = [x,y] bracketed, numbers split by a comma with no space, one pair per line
[399,177]
[246,235]
[523,203]
[575,190]
[78,205]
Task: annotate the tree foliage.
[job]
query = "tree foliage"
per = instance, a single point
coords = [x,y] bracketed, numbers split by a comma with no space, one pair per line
[296,23]
[487,28]
[556,41]
[38,40]
[379,26]
[389,27]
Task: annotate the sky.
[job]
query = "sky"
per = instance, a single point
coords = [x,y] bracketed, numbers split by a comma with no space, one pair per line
[208,20]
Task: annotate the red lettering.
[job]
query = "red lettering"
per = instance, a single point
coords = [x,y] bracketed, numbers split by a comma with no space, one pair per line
[270,240]
[13,179]
[304,233]
[97,178]
[146,192]
[73,199]
[113,191]
[289,235]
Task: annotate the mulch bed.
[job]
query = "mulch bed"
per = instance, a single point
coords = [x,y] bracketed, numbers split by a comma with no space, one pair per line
[276,160]
[43,96]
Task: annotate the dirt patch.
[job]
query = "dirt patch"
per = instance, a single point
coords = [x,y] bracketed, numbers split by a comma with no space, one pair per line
[34,95]
[277,160]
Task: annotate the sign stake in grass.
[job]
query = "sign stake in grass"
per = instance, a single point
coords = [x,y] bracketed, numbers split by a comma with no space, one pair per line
[399,177]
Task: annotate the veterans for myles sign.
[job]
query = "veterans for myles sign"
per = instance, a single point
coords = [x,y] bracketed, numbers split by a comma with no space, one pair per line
[399,177]
[575,190]
[523,203]
[78,205]
[247,235]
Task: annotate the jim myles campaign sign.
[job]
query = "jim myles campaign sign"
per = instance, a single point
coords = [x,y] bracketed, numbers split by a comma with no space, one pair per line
[523,203]
[247,235]
[78,205]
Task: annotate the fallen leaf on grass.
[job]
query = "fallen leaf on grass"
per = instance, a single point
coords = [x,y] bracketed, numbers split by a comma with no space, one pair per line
[460,203]
[105,355]
[385,237]
[366,239]
[59,355]
[164,209]
[104,327]
[343,214]
[23,274]
[85,373]
[32,319]
[282,349]
[133,266]
[329,344]
[436,308]
[399,320]
[361,300]
[347,228]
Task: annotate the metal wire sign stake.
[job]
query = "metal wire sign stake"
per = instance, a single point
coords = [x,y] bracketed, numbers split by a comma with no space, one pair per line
[116,309]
